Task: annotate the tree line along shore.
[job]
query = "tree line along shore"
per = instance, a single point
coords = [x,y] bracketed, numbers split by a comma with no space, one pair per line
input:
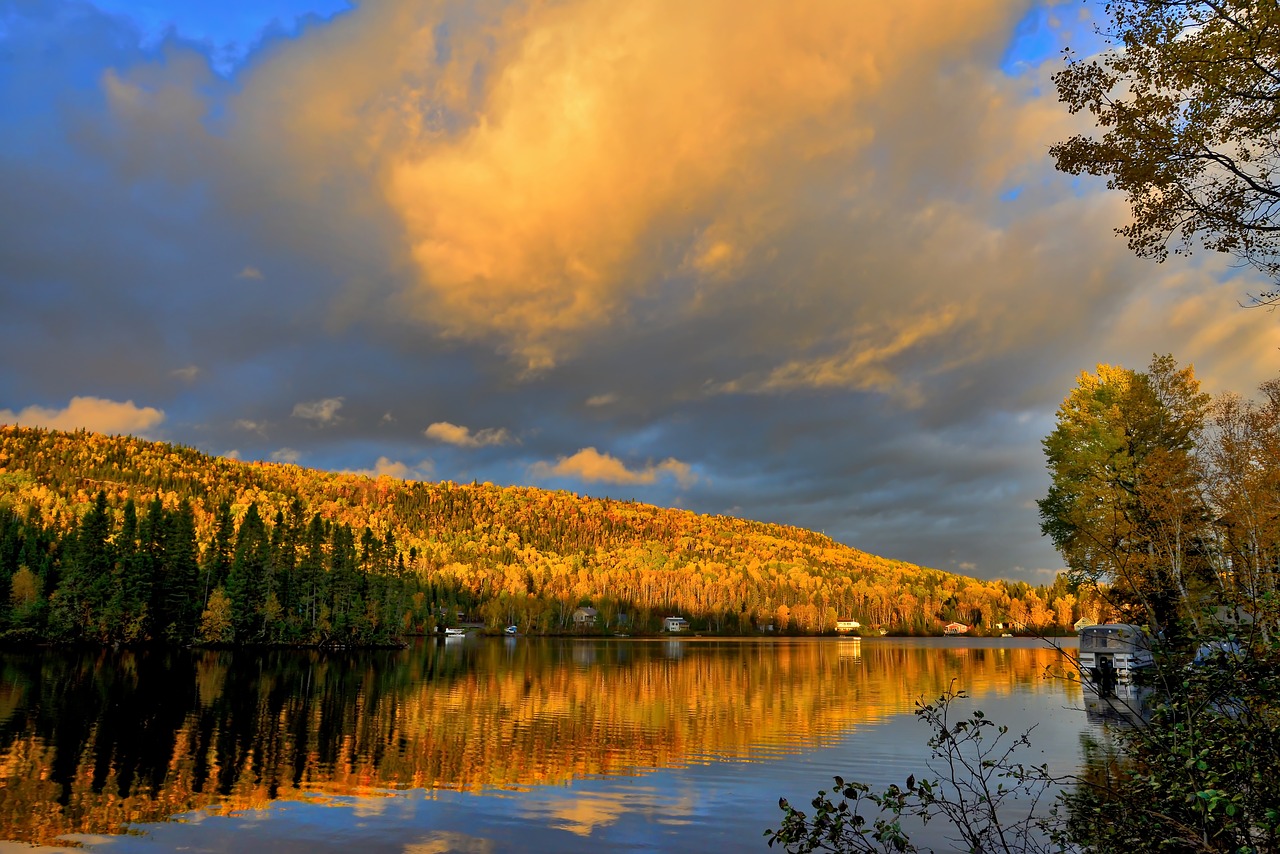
[114,539]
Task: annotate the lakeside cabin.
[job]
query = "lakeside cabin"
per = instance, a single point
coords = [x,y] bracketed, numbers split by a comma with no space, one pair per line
[675,624]
[847,625]
[953,629]
[585,617]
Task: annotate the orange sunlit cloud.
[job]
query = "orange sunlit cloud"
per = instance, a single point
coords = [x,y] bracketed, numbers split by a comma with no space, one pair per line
[590,465]
[463,437]
[610,150]
[387,467]
[89,413]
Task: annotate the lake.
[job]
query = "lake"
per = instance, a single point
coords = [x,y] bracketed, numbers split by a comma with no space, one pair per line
[486,744]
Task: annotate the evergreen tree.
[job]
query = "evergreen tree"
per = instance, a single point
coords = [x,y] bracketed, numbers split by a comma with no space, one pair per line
[246,581]
[217,562]
[90,576]
[182,604]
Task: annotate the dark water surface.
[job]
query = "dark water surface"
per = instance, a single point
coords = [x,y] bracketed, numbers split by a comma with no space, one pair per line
[485,744]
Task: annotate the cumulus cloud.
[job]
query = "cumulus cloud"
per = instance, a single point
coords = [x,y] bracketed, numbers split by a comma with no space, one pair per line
[591,466]
[90,413]
[611,130]
[321,411]
[424,470]
[187,374]
[455,434]
[547,167]
[549,174]
[286,455]
[598,400]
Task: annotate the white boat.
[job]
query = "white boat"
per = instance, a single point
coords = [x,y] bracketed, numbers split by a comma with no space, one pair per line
[1113,651]
[451,632]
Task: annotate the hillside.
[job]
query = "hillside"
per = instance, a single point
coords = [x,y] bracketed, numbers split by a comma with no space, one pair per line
[110,537]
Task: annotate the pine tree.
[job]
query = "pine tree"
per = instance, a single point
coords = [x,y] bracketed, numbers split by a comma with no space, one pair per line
[246,581]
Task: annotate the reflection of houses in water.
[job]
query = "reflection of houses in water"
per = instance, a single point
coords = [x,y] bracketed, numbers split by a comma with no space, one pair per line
[674,650]
[850,647]
[584,654]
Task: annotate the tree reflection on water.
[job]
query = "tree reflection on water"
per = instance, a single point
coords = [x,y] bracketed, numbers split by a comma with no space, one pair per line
[92,742]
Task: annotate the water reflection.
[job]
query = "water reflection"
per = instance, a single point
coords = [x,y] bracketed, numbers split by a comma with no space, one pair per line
[91,742]
[1127,705]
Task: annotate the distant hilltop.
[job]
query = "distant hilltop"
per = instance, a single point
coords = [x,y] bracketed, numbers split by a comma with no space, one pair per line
[280,553]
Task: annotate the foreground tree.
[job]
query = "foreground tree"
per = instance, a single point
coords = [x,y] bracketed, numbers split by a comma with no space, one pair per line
[1187,102]
[1124,507]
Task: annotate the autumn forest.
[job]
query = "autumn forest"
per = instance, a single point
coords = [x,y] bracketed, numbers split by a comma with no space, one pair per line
[110,539]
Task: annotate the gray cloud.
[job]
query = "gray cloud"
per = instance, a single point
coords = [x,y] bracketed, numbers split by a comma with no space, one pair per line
[321,411]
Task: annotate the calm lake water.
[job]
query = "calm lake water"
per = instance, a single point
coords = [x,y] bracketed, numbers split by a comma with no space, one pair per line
[486,744]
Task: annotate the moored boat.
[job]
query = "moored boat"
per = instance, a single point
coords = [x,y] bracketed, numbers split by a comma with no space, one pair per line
[1113,651]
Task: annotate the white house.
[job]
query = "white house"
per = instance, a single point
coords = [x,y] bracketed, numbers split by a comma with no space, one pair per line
[847,625]
[585,617]
[675,624]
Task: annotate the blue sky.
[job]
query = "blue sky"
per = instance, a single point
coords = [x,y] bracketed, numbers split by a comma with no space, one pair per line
[810,269]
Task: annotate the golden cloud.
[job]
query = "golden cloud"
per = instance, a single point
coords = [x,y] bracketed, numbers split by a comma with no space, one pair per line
[551,163]
[95,414]
[590,465]
[387,467]
[866,364]
[455,434]
[543,173]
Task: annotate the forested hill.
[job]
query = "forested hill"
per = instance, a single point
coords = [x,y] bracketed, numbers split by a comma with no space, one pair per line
[116,538]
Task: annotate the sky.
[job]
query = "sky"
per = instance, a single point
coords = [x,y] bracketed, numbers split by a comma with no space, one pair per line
[802,264]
